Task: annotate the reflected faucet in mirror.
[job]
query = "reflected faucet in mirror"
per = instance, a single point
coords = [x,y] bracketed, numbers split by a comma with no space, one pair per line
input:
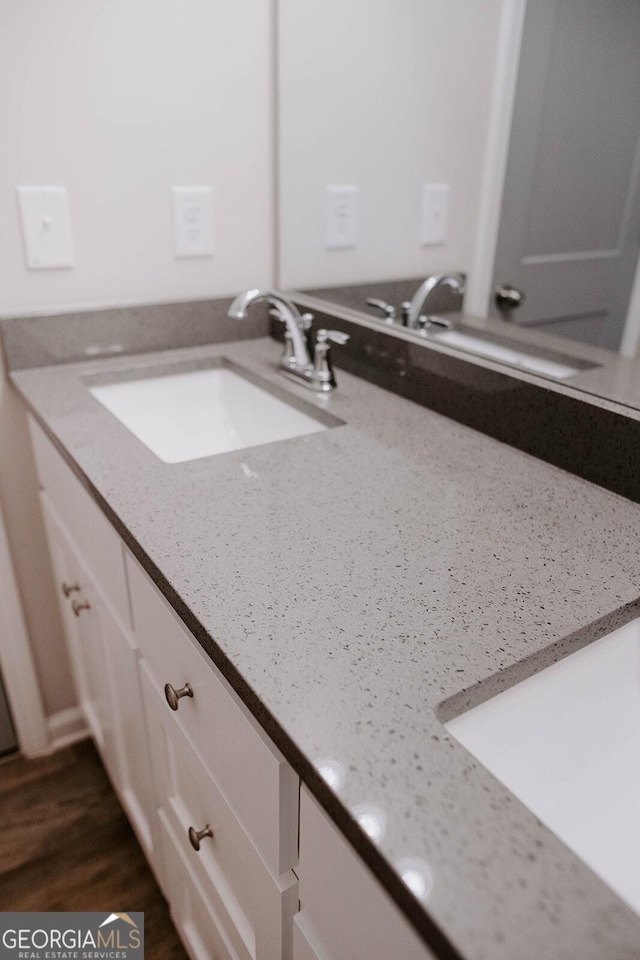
[415,316]
[388,311]
[412,313]
[466,334]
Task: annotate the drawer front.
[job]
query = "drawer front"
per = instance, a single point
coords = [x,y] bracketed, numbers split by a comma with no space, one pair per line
[343,907]
[196,923]
[253,909]
[98,544]
[251,773]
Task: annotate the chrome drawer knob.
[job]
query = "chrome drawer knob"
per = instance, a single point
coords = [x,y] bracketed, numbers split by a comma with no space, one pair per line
[69,588]
[173,695]
[78,606]
[195,836]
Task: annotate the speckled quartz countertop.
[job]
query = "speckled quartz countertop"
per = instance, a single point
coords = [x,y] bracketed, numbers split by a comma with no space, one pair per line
[352,582]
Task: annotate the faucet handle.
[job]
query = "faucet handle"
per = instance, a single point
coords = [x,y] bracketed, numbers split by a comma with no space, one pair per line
[336,336]
[425,322]
[322,376]
[388,310]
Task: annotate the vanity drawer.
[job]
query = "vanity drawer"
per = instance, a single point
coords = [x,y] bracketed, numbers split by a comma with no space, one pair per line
[254,910]
[251,773]
[345,912]
[197,924]
[98,544]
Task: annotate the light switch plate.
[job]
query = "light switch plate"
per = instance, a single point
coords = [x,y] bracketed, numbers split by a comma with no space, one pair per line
[192,221]
[341,226]
[434,213]
[46,227]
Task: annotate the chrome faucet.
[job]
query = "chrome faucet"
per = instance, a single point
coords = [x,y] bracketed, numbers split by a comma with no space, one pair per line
[415,319]
[296,362]
[288,313]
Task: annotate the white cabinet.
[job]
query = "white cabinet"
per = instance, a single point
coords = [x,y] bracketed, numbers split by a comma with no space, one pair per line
[205,767]
[96,541]
[344,911]
[216,771]
[104,659]
[252,910]
[135,781]
[192,915]
[208,764]
[80,609]
[251,772]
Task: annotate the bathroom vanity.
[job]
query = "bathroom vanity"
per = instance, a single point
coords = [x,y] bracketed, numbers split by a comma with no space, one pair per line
[321,606]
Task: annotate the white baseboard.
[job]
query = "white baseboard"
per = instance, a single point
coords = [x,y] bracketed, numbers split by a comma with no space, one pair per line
[66,727]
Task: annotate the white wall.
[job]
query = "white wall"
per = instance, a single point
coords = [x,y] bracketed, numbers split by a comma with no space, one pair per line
[118,101]
[385,94]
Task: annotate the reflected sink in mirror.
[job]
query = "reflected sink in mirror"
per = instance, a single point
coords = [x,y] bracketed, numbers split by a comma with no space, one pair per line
[198,413]
[484,347]
[566,742]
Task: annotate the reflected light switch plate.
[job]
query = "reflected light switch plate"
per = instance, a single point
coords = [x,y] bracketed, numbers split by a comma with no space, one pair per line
[434,213]
[46,227]
[341,225]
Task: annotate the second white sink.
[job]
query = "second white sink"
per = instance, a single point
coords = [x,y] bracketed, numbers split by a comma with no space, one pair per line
[567,743]
[199,413]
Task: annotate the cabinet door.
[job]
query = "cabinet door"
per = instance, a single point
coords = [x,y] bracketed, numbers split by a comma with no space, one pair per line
[105,661]
[135,782]
[80,608]
[345,912]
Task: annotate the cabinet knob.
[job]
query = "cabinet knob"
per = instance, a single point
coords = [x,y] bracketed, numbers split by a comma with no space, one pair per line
[173,695]
[79,605]
[69,588]
[195,836]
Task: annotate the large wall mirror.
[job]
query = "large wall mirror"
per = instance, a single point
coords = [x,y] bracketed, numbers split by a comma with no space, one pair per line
[498,139]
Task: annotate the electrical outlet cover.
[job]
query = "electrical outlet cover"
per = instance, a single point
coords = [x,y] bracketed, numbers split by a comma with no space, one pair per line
[192,221]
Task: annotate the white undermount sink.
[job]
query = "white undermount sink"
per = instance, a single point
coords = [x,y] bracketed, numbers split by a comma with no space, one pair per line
[567,743]
[199,413]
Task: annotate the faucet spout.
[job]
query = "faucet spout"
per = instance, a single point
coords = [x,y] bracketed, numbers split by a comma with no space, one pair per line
[424,291]
[287,312]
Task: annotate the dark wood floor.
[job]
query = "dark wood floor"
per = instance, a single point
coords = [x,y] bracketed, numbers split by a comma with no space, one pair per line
[65,844]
